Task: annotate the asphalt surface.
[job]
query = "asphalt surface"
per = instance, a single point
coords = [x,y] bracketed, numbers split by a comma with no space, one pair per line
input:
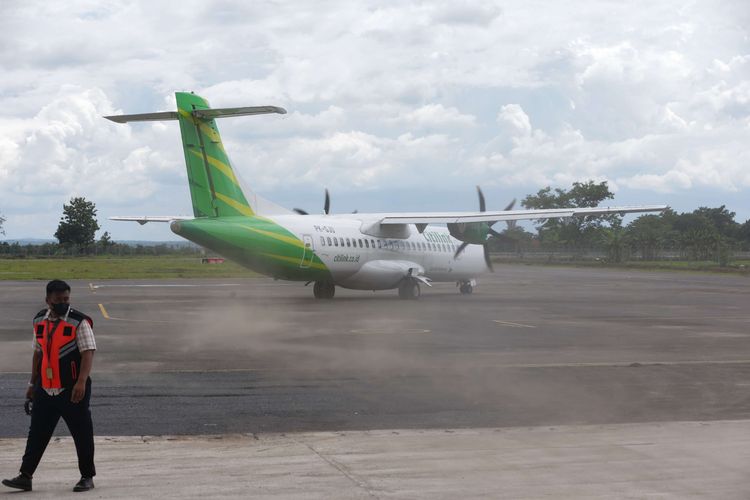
[533,346]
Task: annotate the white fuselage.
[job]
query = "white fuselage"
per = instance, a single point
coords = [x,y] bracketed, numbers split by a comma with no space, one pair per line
[367,262]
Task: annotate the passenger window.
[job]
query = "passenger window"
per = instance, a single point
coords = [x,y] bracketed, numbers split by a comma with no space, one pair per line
[348,242]
[329,241]
[361,244]
[322,241]
[367,244]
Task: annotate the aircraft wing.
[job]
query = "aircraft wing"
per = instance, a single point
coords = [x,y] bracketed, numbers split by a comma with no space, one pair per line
[508,215]
[142,219]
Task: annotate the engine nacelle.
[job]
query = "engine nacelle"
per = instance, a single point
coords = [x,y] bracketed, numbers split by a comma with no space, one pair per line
[472,232]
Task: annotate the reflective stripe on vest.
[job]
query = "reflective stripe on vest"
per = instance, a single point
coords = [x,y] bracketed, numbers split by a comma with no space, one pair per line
[60,356]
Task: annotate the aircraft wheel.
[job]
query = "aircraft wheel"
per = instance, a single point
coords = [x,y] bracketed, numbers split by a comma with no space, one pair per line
[409,289]
[466,289]
[324,290]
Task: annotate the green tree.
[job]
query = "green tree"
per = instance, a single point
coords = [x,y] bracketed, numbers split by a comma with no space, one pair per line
[105,242]
[78,224]
[697,235]
[649,234]
[579,232]
[512,239]
[614,241]
[744,235]
[722,220]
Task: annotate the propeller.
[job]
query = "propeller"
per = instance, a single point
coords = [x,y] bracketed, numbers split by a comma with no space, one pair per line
[485,247]
[326,206]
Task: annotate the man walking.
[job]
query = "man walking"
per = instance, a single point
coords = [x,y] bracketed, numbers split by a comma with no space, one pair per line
[60,386]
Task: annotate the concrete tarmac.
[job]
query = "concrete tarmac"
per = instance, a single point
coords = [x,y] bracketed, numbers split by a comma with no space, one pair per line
[534,346]
[666,461]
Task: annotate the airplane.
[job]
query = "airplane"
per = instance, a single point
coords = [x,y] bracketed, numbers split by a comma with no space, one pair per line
[361,251]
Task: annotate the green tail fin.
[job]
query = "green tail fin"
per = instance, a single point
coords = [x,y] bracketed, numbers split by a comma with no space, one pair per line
[214,188]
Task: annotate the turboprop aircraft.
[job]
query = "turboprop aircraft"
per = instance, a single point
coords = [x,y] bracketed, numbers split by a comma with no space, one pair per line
[376,251]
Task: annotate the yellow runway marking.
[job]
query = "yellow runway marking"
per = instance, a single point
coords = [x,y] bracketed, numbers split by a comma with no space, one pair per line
[104,311]
[107,316]
[514,325]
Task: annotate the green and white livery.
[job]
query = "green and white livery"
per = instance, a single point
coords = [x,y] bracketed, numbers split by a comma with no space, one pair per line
[357,251]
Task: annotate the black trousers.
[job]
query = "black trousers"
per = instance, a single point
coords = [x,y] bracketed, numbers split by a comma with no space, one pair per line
[47,412]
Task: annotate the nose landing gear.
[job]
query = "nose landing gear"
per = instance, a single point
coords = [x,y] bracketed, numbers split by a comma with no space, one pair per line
[466,288]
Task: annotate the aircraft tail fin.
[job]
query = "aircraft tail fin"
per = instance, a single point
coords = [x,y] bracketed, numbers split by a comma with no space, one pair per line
[215,190]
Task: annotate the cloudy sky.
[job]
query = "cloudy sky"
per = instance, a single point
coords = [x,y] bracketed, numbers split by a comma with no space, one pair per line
[392,105]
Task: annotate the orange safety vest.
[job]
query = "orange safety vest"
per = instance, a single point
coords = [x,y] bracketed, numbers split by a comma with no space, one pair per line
[61,359]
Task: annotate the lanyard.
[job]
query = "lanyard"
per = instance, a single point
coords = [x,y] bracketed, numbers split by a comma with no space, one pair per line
[50,374]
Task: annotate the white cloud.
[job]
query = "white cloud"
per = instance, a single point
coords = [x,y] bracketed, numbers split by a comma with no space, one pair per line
[653,97]
[437,116]
[514,121]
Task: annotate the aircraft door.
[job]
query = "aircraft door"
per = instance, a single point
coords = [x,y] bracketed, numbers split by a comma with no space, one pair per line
[307,255]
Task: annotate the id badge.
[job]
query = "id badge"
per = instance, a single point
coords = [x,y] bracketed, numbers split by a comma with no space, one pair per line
[50,375]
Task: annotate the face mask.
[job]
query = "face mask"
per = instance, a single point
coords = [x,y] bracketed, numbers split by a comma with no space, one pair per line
[61,309]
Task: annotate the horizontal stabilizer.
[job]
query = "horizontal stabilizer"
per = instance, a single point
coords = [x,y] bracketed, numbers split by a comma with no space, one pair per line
[206,114]
[246,111]
[144,117]
[142,219]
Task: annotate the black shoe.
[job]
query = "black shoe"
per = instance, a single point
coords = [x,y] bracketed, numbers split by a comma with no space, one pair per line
[21,482]
[85,484]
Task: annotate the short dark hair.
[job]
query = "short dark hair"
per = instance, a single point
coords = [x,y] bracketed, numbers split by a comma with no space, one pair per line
[57,286]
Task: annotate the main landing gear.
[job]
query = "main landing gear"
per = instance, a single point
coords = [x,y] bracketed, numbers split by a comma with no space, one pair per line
[466,288]
[324,290]
[409,289]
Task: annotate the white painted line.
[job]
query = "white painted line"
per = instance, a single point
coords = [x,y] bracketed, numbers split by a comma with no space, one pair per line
[621,364]
[388,331]
[513,325]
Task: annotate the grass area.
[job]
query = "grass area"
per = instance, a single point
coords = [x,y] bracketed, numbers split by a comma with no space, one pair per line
[118,268]
[741,267]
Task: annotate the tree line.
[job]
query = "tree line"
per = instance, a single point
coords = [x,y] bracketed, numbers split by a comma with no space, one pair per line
[76,235]
[706,233]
